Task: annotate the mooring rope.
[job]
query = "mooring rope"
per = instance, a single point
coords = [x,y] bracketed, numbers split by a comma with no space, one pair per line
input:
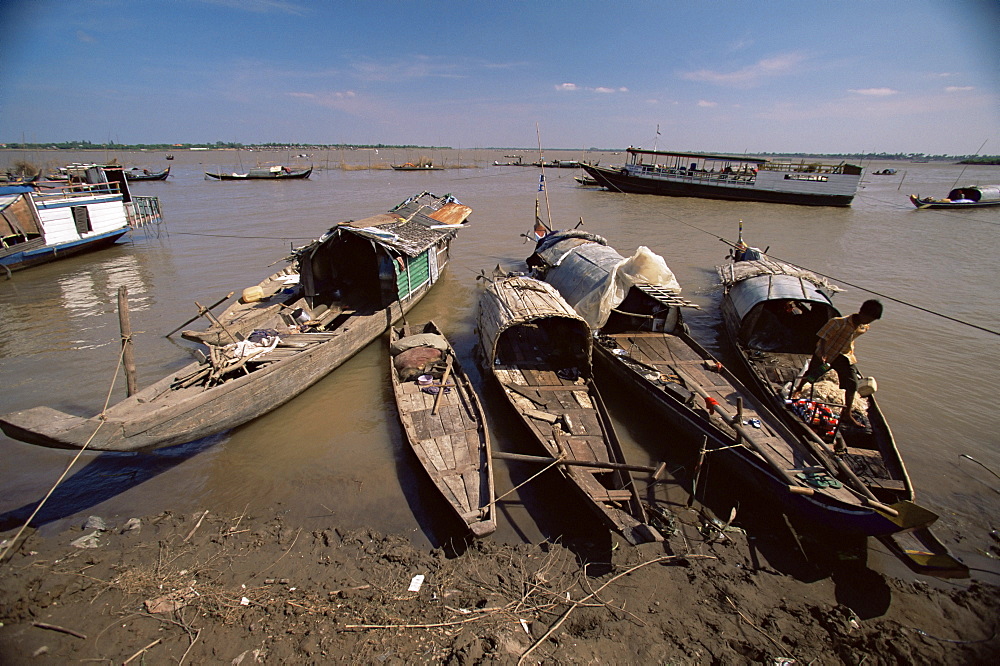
[72,462]
[851,284]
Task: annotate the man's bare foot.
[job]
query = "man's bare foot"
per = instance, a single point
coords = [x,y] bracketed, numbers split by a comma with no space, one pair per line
[855,422]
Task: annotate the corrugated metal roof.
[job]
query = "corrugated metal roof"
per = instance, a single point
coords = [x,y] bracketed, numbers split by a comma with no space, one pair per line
[407,228]
[751,291]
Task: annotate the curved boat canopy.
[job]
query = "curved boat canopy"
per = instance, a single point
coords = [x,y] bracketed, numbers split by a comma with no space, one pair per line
[780,313]
[511,302]
[975,193]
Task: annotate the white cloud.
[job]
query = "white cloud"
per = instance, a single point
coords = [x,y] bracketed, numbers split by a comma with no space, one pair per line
[959,88]
[875,92]
[84,37]
[705,103]
[750,75]
[600,89]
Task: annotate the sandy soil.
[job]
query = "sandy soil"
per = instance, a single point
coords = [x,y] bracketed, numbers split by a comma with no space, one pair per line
[254,589]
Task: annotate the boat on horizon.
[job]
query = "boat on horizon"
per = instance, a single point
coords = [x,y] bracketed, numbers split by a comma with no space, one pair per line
[276,172]
[43,221]
[420,166]
[135,173]
[731,178]
[339,293]
[970,196]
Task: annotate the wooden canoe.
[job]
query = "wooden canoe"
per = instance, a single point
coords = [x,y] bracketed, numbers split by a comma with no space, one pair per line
[144,174]
[538,351]
[446,428]
[264,173]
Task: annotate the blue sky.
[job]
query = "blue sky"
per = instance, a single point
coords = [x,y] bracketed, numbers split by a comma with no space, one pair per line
[725,76]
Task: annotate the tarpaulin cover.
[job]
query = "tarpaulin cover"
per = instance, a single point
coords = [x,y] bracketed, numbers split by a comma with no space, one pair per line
[594,278]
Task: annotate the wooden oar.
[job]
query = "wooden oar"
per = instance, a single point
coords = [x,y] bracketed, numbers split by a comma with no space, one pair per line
[210,307]
[444,385]
[212,318]
[738,427]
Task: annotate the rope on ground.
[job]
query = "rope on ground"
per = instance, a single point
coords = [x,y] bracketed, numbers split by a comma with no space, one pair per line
[72,462]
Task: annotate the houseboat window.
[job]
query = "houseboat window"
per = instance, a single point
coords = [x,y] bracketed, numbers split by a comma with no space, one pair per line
[797,176]
[81,218]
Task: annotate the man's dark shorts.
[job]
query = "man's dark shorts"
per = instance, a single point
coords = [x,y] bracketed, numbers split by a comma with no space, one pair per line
[845,371]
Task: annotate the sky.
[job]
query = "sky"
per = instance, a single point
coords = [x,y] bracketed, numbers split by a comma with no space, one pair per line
[844,76]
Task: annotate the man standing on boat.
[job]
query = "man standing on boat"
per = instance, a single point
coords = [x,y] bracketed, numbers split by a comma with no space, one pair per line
[835,349]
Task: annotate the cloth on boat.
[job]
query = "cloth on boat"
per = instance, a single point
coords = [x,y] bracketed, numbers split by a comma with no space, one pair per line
[432,340]
[250,349]
[416,361]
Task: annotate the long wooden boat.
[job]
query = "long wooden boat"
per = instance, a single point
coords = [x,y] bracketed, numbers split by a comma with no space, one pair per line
[635,308]
[277,172]
[444,422]
[772,311]
[355,281]
[145,174]
[731,177]
[970,196]
[421,166]
[40,223]
[539,352]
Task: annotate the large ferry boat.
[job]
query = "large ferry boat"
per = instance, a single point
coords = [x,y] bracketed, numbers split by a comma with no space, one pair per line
[731,177]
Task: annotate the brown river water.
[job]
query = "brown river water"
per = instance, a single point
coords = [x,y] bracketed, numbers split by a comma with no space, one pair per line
[336,454]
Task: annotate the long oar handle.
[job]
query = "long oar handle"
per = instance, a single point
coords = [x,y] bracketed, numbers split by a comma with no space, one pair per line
[210,307]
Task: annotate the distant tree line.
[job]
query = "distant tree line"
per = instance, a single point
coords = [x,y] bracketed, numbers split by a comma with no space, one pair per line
[233,145]
[218,145]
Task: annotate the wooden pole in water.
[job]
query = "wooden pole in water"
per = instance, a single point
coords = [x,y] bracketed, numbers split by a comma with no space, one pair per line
[128,357]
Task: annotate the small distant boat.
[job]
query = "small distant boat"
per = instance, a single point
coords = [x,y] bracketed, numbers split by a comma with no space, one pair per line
[884,172]
[420,166]
[341,292]
[444,422]
[277,172]
[586,181]
[772,311]
[971,196]
[90,210]
[136,173]
[731,177]
[538,350]
[170,157]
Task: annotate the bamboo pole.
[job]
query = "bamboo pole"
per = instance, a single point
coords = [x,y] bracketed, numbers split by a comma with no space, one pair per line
[128,356]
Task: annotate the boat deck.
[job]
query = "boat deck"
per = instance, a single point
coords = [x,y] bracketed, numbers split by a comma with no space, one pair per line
[549,392]
[448,443]
[676,362]
[863,454]
[563,410]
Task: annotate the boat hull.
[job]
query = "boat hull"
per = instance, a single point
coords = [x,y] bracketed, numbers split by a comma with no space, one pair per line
[141,423]
[19,260]
[936,204]
[449,436]
[817,510]
[295,175]
[620,181]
